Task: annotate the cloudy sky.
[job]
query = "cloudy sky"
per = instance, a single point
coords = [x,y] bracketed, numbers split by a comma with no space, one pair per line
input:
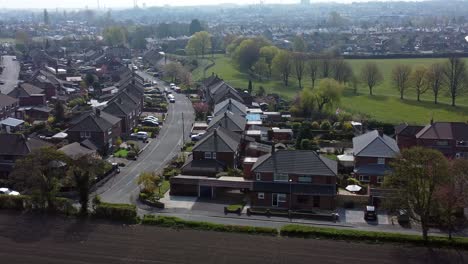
[128,3]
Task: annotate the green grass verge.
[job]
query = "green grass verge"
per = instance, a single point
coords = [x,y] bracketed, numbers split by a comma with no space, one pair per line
[121,153]
[369,236]
[165,187]
[234,207]
[174,222]
[384,106]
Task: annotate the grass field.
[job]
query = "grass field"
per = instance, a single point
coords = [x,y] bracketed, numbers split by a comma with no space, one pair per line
[385,105]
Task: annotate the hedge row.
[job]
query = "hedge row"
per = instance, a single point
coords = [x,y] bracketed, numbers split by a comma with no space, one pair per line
[14,202]
[25,202]
[120,212]
[348,234]
[174,222]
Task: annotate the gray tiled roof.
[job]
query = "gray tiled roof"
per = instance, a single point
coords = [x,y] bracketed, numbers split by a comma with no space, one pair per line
[18,145]
[6,100]
[25,90]
[219,140]
[444,130]
[296,162]
[121,104]
[371,144]
[231,105]
[230,121]
[94,123]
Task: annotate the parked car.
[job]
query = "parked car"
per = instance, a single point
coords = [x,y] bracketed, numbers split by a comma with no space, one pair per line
[370,213]
[156,74]
[172,100]
[151,118]
[148,84]
[140,135]
[152,91]
[2,82]
[197,137]
[8,191]
[403,216]
[155,82]
[150,123]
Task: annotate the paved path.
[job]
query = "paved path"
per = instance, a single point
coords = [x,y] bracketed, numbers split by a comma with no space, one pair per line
[35,239]
[10,74]
[123,187]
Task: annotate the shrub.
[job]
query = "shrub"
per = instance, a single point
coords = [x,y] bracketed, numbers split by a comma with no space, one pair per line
[13,202]
[315,125]
[120,212]
[305,143]
[174,222]
[65,206]
[347,127]
[96,201]
[153,130]
[358,235]
[131,155]
[353,181]
[325,125]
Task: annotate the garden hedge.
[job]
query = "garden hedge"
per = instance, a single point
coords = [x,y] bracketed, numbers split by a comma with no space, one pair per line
[120,212]
[13,202]
[175,222]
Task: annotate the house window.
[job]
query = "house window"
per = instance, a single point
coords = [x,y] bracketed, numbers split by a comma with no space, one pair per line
[306,179]
[207,155]
[213,154]
[442,143]
[261,196]
[364,178]
[281,177]
[381,161]
[85,134]
[258,176]
[278,198]
[316,201]
[380,179]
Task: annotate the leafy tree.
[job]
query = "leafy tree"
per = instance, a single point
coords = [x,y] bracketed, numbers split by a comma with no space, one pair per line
[418,79]
[306,102]
[172,70]
[299,66]
[201,110]
[435,79]
[41,173]
[417,172]
[195,26]
[328,94]
[115,36]
[59,111]
[199,44]
[268,53]
[299,44]
[260,68]
[282,65]
[150,182]
[371,75]
[313,68]
[326,66]
[456,76]
[401,77]
[137,38]
[248,52]
[261,91]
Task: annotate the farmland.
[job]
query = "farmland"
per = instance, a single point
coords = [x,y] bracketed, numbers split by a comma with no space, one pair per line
[385,105]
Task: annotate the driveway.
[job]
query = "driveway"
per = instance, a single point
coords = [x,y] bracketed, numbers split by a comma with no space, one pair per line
[356,216]
[123,188]
[10,74]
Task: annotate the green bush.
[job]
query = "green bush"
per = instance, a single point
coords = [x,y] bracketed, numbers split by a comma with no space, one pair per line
[358,235]
[13,202]
[315,125]
[325,125]
[153,130]
[120,212]
[131,155]
[174,222]
[353,181]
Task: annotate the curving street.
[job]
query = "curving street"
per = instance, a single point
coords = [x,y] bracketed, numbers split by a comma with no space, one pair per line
[10,74]
[123,187]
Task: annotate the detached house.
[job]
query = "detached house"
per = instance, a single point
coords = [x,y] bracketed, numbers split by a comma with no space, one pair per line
[295,180]
[101,128]
[373,152]
[28,95]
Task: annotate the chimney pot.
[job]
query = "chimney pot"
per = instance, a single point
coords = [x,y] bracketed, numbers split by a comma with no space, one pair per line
[380,130]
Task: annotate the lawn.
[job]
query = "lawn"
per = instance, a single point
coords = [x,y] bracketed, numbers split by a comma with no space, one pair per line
[385,105]
[165,185]
[121,153]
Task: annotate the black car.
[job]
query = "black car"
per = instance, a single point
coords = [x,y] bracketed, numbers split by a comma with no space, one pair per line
[370,214]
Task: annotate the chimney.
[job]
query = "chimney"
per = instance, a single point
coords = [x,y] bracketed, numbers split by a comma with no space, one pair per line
[273,148]
[225,120]
[98,112]
[380,130]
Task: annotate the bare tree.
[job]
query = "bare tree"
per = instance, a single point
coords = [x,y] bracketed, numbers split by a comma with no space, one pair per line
[418,79]
[282,66]
[326,66]
[400,77]
[313,67]
[435,78]
[371,75]
[299,60]
[341,70]
[455,72]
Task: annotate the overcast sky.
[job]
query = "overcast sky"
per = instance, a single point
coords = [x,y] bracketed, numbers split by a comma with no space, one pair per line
[128,3]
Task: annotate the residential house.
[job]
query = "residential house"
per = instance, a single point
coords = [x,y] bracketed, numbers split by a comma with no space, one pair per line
[450,138]
[219,91]
[294,180]
[405,135]
[75,150]
[8,106]
[230,121]
[127,108]
[230,105]
[28,95]
[101,128]
[373,152]
[13,147]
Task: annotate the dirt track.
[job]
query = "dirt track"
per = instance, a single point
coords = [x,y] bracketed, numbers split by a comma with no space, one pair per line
[33,239]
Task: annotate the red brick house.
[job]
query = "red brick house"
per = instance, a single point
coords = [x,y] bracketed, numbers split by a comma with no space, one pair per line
[295,180]
[28,95]
[373,152]
[8,106]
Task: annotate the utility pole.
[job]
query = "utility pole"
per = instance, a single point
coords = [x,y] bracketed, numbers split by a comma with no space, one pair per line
[183,129]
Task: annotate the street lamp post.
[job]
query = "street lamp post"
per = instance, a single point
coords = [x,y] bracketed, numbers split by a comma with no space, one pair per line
[290,197]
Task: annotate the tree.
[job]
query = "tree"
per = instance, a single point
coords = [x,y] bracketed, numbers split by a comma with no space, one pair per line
[417,172]
[299,66]
[201,110]
[41,173]
[172,70]
[418,79]
[198,44]
[282,65]
[325,63]
[328,93]
[371,75]
[313,67]
[401,77]
[150,182]
[260,68]
[137,38]
[115,36]
[195,26]
[248,52]
[299,44]
[250,88]
[59,111]
[456,76]
[342,71]
[452,196]
[435,79]
[269,53]
[46,17]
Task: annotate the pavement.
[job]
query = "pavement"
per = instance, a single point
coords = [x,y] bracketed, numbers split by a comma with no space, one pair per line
[123,187]
[10,74]
[46,239]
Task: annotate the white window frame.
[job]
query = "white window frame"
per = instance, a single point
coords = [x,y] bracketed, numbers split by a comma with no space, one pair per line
[362,178]
[261,196]
[207,155]
[258,176]
[280,177]
[381,161]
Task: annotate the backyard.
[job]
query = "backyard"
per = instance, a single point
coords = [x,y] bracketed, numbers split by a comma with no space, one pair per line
[385,105]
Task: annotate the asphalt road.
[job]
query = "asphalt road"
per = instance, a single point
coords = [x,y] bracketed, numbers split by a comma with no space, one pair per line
[10,74]
[45,239]
[123,187]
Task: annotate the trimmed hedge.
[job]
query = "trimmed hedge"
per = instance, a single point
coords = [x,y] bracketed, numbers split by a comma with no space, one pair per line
[121,212]
[14,202]
[175,222]
[358,235]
